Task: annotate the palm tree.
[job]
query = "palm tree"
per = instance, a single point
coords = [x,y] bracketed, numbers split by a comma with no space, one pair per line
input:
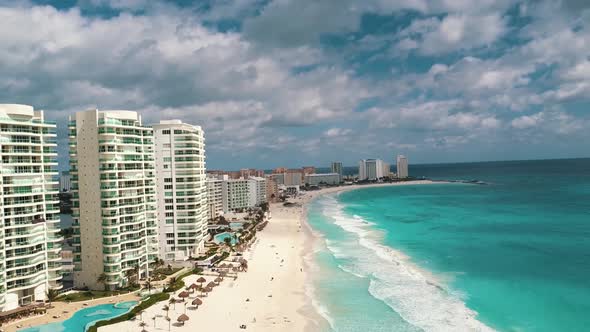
[227,242]
[154,319]
[142,325]
[168,319]
[136,273]
[148,285]
[167,309]
[52,294]
[129,275]
[102,279]
[172,301]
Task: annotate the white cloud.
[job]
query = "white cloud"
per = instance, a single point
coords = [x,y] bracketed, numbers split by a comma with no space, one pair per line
[454,32]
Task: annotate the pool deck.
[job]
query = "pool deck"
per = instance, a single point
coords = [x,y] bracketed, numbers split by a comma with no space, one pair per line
[71,308]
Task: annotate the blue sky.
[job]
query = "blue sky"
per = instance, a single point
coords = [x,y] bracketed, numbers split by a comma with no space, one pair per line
[305,82]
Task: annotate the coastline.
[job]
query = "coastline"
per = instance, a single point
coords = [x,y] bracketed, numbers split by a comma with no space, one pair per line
[316,320]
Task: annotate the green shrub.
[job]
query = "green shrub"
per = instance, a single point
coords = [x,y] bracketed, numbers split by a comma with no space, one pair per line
[179,283]
[150,301]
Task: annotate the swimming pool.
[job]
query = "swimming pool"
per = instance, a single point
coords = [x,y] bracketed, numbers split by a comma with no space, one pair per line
[84,318]
[235,225]
[220,238]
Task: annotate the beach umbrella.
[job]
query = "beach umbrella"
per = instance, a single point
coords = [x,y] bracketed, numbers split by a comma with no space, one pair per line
[208,289]
[218,280]
[222,274]
[223,265]
[183,295]
[197,302]
[201,280]
[182,318]
[234,269]
[211,284]
[193,287]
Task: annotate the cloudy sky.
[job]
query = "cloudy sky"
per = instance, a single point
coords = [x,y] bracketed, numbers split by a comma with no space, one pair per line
[297,82]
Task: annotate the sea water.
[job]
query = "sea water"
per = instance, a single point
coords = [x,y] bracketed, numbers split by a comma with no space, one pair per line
[510,255]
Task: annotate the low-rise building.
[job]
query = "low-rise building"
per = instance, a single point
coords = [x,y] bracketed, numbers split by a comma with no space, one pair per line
[257,191]
[272,189]
[235,195]
[322,179]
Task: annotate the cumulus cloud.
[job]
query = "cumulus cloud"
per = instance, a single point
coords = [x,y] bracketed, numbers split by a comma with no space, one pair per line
[428,75]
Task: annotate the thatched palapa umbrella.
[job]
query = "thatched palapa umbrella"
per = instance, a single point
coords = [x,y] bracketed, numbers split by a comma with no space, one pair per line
[222,274]
[183,295]
[197,302]
[211,284]
[218,280]
[193,287]
[182,318]
[201,280]
[208,289]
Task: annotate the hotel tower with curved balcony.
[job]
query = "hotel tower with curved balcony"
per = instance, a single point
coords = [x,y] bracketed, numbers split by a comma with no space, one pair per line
[181,189]
[29,240]
[114,203]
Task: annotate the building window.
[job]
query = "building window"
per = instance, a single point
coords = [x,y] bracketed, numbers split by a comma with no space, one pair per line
[168,180]
[166,131]
[167,186]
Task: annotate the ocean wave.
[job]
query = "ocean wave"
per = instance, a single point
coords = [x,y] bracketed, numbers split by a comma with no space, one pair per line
[418,296]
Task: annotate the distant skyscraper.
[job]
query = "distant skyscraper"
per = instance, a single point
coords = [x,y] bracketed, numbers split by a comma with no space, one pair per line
[181,188]
[402,167]
[337,168]
[29,228]
[372,169]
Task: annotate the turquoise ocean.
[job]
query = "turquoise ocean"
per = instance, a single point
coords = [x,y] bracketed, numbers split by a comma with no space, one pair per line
[510,255]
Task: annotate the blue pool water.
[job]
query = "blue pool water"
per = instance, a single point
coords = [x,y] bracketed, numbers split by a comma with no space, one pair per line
[235,225]
[513,255]
[219,238]
[85,318]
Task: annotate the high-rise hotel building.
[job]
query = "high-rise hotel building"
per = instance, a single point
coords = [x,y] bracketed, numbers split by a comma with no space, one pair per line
[114,201]
[181,189]
[29,240]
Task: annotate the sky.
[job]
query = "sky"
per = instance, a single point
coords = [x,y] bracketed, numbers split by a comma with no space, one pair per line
[306,82]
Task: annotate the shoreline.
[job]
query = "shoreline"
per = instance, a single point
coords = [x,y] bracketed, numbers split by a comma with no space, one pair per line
[316,319]
[429,285]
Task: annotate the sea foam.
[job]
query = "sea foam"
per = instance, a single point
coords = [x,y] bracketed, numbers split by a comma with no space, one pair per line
[417,296]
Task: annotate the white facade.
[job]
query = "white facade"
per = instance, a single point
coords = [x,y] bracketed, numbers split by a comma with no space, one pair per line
[113,197]
[402,167]
[257,190]
[181,188]
[326,178]
[372,169]
[29,239]
[235,194]
[337,168]
[214,198]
